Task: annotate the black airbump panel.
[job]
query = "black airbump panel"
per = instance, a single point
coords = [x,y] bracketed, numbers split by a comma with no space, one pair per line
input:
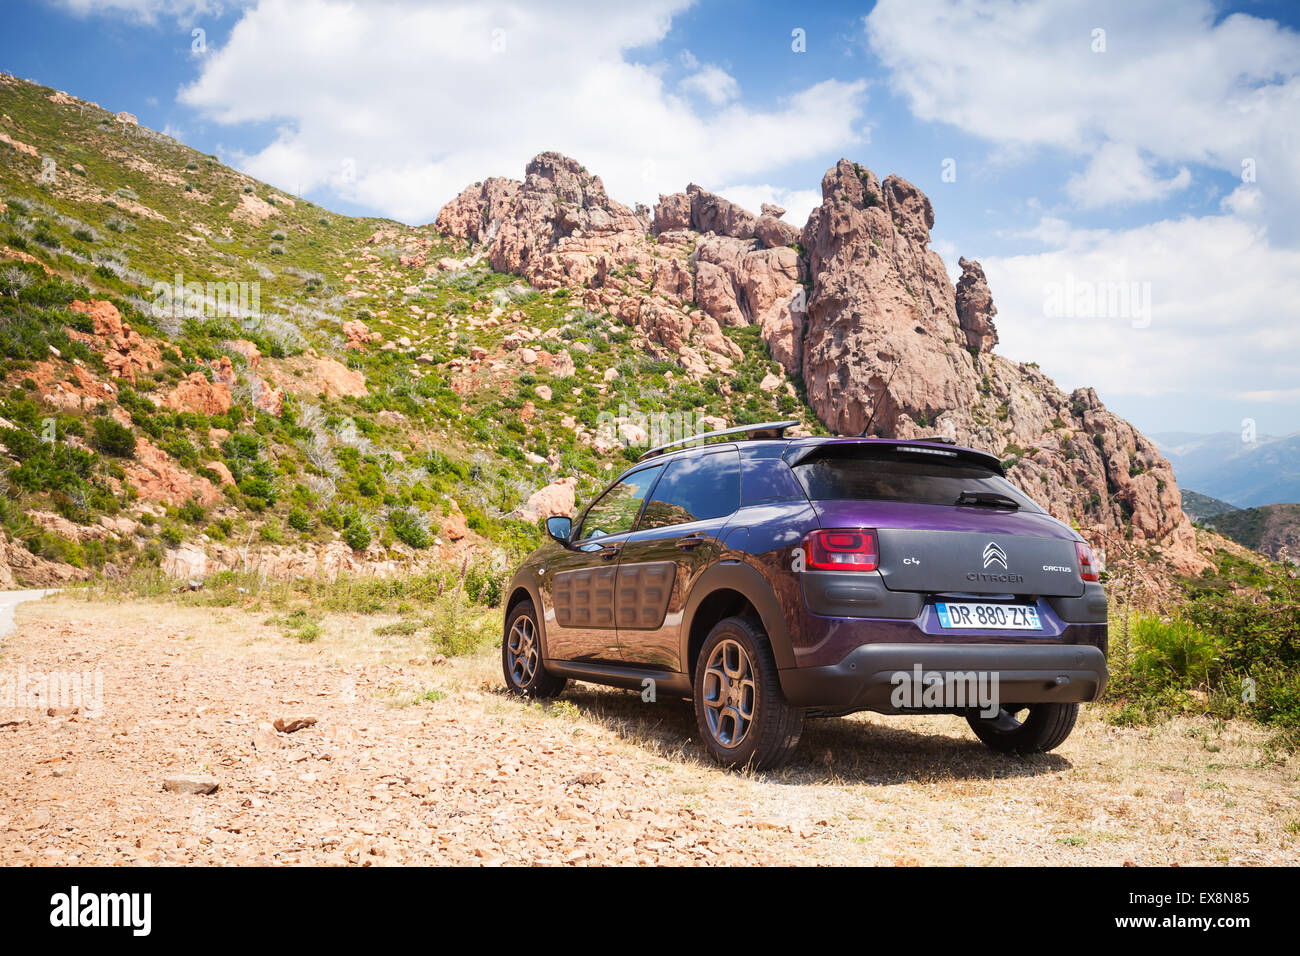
[643,593]
[585,598]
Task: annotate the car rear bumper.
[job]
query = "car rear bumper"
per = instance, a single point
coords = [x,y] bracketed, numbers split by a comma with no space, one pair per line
[871,676]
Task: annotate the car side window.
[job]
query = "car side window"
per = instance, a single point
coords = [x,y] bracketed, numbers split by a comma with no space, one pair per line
[615,511]
[695,489]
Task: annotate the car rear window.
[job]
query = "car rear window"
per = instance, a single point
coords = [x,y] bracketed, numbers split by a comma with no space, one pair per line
[886,475]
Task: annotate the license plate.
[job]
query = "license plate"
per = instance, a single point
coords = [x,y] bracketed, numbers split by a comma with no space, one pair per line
[989,617]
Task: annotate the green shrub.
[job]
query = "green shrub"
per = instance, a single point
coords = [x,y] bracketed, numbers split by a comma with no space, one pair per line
[113,438]
[410,528]
[356,531]
[1231,650]
[300,520]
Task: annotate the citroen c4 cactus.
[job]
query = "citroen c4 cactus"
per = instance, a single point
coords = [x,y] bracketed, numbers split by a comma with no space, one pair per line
[772,579]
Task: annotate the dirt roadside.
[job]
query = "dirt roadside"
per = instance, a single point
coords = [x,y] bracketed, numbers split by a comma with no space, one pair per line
[414,761]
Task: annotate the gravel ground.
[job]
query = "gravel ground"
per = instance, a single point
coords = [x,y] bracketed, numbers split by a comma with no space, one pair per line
[415,760]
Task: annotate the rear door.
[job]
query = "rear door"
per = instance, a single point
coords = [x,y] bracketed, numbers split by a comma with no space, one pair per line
[676,539]
[579,581]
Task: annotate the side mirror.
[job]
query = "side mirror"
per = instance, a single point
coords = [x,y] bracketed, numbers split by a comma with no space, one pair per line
[559,527]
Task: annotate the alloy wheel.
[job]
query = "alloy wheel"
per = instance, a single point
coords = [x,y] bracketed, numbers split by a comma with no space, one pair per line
[730,694]
[521,648]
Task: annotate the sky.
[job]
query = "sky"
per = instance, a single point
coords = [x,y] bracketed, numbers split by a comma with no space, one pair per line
[1127,173]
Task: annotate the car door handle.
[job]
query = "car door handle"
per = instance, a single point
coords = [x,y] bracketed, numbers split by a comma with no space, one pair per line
[692,540]
[609,551]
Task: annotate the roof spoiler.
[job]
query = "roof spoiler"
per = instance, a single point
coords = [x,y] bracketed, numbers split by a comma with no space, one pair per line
[920,446]
[761,430]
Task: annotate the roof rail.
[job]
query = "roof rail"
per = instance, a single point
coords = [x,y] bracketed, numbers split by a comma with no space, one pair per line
[761,430]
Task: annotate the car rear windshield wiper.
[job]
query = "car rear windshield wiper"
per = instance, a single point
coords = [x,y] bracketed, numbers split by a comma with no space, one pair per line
[992,499]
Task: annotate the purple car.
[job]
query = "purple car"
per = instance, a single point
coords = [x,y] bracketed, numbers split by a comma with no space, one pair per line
[773,579]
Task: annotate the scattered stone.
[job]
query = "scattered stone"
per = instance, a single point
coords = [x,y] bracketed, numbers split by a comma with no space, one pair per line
[290,725]
[191,784]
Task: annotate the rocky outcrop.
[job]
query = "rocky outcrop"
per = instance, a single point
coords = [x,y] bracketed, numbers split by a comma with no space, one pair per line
[881,306]
[557,498]
[125,351]
[771,231]
[559,228]
[887,333]
[196,394]
[20,568]
[702,211]
[312,375]
[359,335]
[156,478]
[975,308]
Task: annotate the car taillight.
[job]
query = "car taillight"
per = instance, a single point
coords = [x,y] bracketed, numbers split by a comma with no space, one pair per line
[845,550]
[1088,569]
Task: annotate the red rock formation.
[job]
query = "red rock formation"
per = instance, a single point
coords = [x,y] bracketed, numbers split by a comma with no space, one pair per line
[197,394]
[359,335]
[557,498]
[252,355]
[125,351]
[559,228]
[223,371]
[157,478]
[975,308]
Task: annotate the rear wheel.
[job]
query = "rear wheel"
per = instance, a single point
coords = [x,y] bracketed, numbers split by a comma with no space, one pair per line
[742,715]
[521,656]
[1025,728]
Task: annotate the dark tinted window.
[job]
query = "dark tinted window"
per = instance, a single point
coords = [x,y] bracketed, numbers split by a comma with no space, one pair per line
[768,479]
[615,511]
[892,476]
[694,489]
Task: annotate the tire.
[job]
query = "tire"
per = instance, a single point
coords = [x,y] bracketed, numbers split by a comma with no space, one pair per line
[521,656]
[736,675]
[1012,731]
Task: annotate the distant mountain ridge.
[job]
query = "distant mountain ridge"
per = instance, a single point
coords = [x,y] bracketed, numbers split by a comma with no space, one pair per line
[1202,508]
[1245,474]
[1273,530]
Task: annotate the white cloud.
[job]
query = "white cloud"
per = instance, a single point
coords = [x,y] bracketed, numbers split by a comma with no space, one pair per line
[1118,175]
[798,203]
[1224,316]
[399,105]
[150,11]
[1175,81]
[1178,88]
[713,83]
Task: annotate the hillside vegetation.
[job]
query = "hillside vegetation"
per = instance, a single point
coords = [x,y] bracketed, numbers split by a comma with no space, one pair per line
[344,401]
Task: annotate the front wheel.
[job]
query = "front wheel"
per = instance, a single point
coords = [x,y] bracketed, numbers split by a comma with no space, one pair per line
[1025,728]
[742,715]
[521,656]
